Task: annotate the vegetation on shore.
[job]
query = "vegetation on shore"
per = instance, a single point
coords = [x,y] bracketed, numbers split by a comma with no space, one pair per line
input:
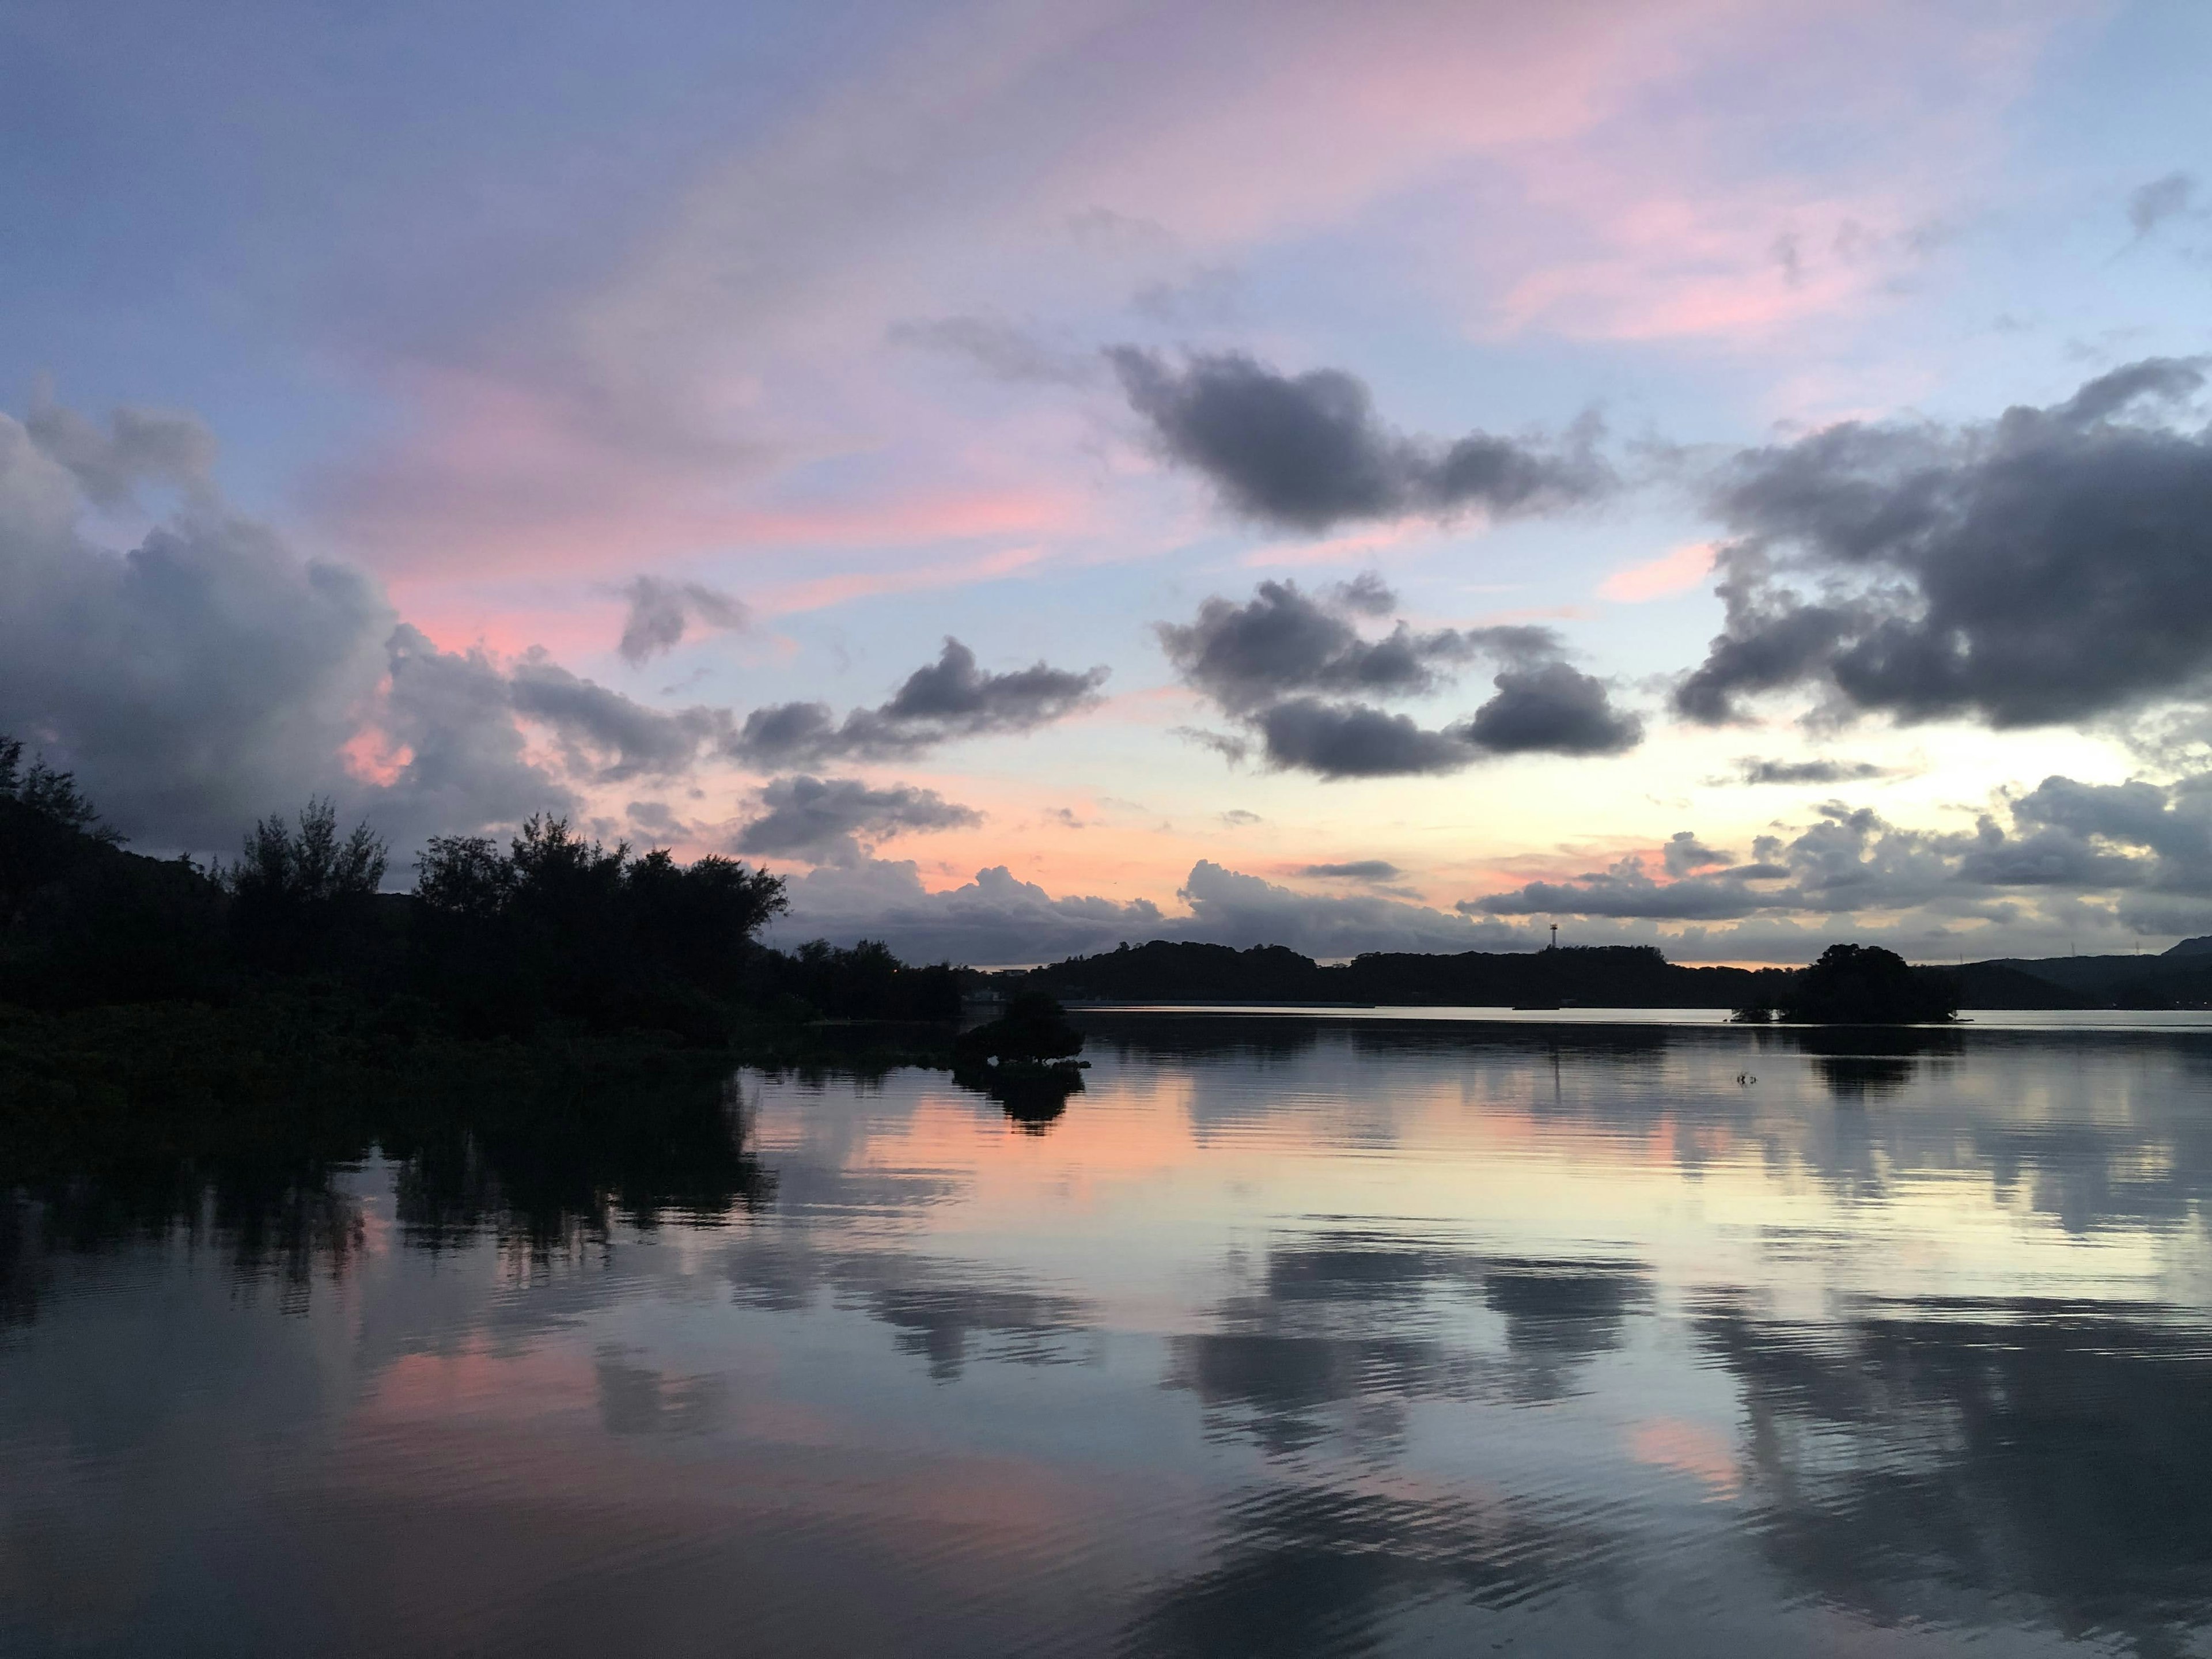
[1859,985]
[287,975]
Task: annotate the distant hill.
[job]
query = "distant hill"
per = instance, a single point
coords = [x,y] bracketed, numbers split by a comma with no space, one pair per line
[2176,978]
[1604,976]
[2011,985]
[1599,976]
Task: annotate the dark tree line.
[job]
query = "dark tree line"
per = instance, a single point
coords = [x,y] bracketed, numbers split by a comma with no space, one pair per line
[552,931]
[1851,984]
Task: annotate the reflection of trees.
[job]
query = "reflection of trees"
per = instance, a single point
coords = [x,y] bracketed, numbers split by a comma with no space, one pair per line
[1867,1062]
[539,1159]
[1313,1569]
[1256,1037]
[1033,1099]
[269,1197]
[540,1172]
[1917,1460]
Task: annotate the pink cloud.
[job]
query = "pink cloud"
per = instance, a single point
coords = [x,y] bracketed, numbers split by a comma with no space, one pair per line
[1674,572]
[372,757]
[503,476]
[728,391]
[818,592]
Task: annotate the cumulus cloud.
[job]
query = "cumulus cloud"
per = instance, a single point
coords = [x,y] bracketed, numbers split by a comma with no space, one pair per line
[2111,854]
[1685,853]
[138,446]
[1353,740]
[1550,709]
[2049,566]
[458,761]
[605,735]
[1306,451]
[1275,661]
[1284,640]
[1847,860]
[209,675]
[2075,861]
[826,820]
[194,681]
[996,920]
[1752,769]
[661,612]
[942,701]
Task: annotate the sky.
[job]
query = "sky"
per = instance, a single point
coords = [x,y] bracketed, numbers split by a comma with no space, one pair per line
[1723,475]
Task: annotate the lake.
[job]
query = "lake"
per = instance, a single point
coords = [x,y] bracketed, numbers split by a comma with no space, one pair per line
[1290,1334]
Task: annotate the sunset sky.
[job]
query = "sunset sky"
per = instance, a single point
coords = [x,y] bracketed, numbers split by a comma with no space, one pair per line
[1729,475]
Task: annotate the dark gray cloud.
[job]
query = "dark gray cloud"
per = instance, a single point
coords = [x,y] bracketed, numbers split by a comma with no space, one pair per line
[1684,854]
[2074,861]
[825,820]
[1553,710]
[2051,566]
[209,676]
[2151,205]
[2138,853]
[1355,870]
[1285,641]
[661,612]
[607,736]
[451,715]
[1550,709]
[1754,770]
[940,702]
[138,445]
[1275,661]
[1352,740]
[194,682]
[1307,452]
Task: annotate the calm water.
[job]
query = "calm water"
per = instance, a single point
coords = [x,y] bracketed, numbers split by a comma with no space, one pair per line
[1289,1336]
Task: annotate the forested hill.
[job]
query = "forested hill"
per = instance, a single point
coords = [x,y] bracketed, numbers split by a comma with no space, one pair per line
[1595,976]
[1600,976]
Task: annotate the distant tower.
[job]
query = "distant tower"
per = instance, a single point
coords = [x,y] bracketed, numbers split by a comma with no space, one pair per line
[1555,936]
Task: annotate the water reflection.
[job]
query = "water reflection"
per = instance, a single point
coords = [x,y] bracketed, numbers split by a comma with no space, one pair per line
[1344,1329]
[1311,1570]
[1032,1100]
[1923,1460]
[1291,1336]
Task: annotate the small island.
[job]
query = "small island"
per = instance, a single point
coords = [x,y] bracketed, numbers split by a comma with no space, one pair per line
[1859,985]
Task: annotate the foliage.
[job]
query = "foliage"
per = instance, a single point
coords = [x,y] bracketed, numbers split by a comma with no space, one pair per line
[562,926]
[123,1120]
[304,898]
[1024,1060]
[1866,985]
[1033,1031]
[1616,976]
[865,983]
[51,794]
[80,920]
